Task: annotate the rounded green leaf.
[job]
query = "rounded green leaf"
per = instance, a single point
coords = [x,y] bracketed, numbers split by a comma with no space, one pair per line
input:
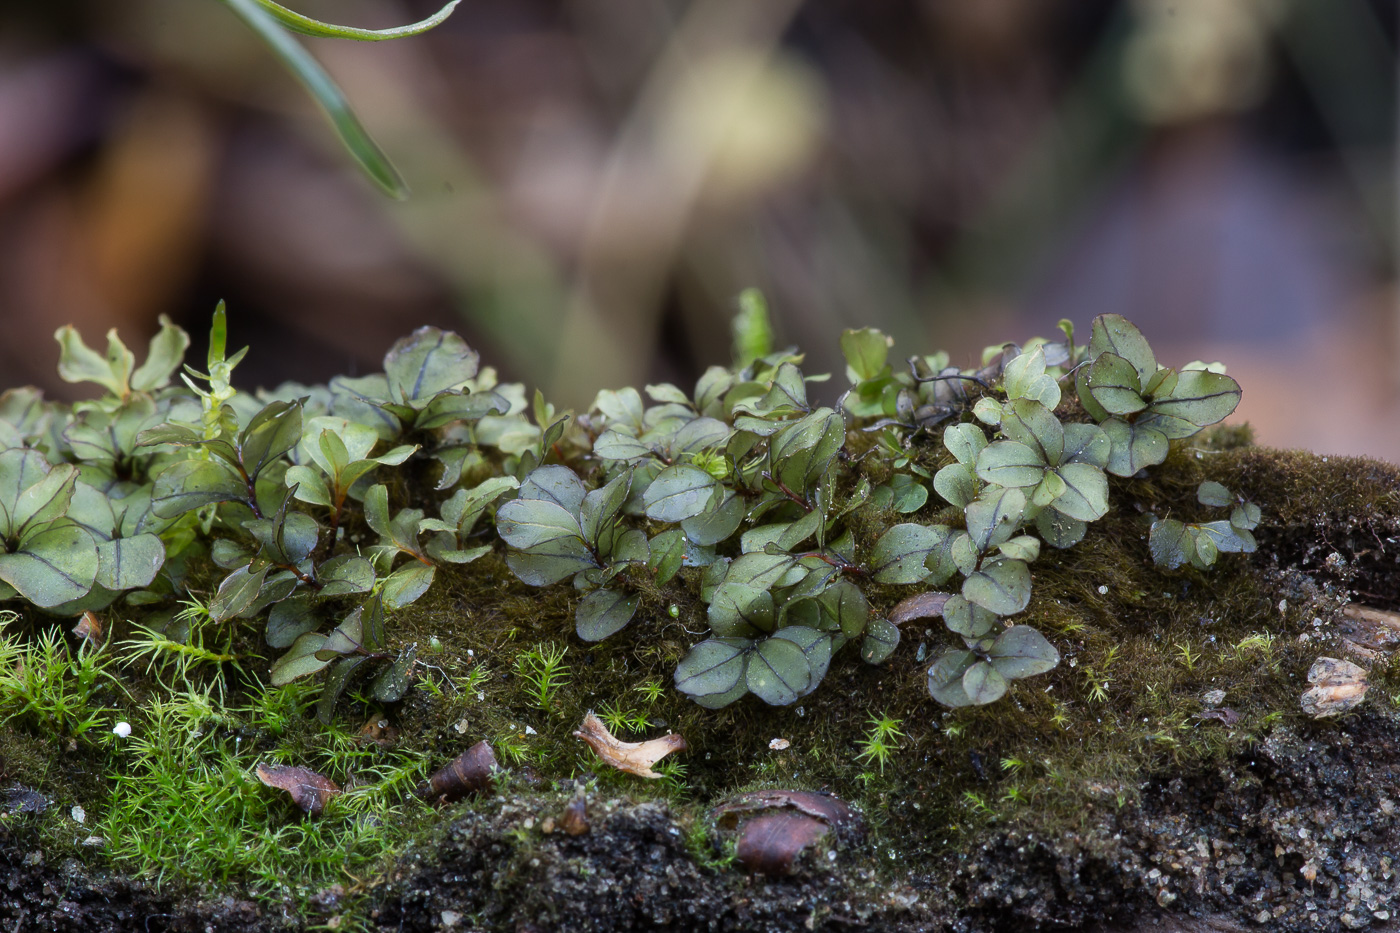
[717,522]
[1021,547]
[1135,446]
[1170,544]
[1059,530]
[1085,494]
[880,641]
[1024,377]
[526,524]
[237,592]
[1010,463]
[1212,493]
[406,584]
[945,677]
[954,554]
[57,564]
[129,563]
[740,610]
[300,661]
[815,647]
[899,555]
[713,667]
[270,434]
[1114,384]
[801,453]
[604,612]
[1198,399]
[601,507]
[1021,651]
[678,492]
[1112,333]
[965,442]
[345,574]
[909,494]
[1001,585]
[1245,516]
[957,483]
[393,682]
[994,516]
[617,444]
[289,620]
[557,484]
[1086,443]
[1031,423]
[427,362]
[983,684]
[778,672]
[966,619]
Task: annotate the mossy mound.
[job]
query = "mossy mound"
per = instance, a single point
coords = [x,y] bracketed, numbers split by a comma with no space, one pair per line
[1119,784]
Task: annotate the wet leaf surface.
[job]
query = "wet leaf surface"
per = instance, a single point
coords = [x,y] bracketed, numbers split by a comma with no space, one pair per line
[308,789]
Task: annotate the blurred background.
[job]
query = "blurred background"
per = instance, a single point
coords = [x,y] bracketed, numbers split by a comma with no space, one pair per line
[594,181]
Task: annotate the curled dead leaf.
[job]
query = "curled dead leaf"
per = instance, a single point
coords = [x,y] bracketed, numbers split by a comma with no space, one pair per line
[1224,714]
[89,629]
[1338,686]
[308,789]
[632,757]
[469,773]
[921,606]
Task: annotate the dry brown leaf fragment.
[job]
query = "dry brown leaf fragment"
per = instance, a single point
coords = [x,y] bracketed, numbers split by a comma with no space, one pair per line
[1377,630]
[308,789]
[632,757]
[920,606]
[1338,686]
[771,844]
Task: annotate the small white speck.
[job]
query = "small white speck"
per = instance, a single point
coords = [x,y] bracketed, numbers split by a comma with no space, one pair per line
[778,745]
[831,855]
[529,731]
[94,841]
[801,711]
[461,727]
[79,815]
[471,653]
[1103,591]
[121,730]
[480,695]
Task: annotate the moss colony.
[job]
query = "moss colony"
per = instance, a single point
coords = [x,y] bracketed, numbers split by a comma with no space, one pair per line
[972,649]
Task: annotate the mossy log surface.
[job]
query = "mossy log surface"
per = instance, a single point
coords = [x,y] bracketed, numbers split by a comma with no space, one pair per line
[1120,789]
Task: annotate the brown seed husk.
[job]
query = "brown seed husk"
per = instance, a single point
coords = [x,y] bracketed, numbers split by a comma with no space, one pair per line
[922,606]
[575,818]
[770,844]
[469,773]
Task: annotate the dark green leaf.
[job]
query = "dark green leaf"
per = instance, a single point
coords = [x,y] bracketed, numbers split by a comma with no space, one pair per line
[557,484]
[1170,544]
[994,516]
[337,679]
[270,434]
[741,610]
[392,683]
[237,592]
[778,672]
[289,620]
[600,507]
[1085,496]
[1021,651]
[406,584]
[945,678]
[712,668]
[801,452]
[667,551]
[716,523]
[898,557]
[815,647]
[603,613]
[529,523]
[549,563]
[881,639]
[300,661]
[1001,585]
[966,619]
[129,563]
[983,684]
[345,574]
[1135,446]
[1212,493]
[57,563]
[677,493]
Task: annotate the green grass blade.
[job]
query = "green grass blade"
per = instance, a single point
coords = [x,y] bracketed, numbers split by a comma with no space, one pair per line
[326,92]
[307,26]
